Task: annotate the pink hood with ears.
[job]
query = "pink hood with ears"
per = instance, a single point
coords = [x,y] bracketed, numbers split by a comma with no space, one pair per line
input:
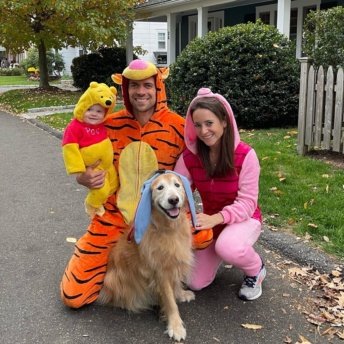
[190,136]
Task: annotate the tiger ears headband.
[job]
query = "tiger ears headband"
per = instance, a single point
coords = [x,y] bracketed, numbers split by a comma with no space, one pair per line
[144,209]
[140,70]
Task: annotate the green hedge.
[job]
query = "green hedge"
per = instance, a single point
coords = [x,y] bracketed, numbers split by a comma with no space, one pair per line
[252,65]
[11,71]
[324,37]
[98,66]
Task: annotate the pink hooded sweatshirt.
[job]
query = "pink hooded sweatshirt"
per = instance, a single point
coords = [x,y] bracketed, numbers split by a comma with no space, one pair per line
[245,202]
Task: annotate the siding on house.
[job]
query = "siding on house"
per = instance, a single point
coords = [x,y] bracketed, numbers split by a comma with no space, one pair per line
[234,12]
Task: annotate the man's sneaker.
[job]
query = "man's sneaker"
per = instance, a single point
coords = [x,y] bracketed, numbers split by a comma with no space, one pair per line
[251,288]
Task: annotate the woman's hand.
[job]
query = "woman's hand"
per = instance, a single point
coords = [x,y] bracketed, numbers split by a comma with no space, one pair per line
[205,221]
[92,178]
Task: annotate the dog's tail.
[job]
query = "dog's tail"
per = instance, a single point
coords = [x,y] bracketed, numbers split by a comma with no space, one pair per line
[105,296]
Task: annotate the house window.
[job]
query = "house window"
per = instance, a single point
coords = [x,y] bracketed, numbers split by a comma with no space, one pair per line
[161,40]
[298,13]
[293,24]
[215,22]
[265,17]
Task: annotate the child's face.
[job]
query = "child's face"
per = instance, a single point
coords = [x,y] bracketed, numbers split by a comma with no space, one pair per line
[94,114]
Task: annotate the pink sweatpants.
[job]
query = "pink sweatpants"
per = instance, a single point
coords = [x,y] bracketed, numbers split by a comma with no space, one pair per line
[234,246]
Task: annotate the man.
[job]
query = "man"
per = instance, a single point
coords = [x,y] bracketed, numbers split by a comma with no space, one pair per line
[145,136]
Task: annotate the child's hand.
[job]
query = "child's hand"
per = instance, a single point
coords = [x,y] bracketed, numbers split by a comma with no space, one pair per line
[92,178]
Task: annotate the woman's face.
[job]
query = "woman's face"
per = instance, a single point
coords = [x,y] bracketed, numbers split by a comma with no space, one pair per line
[209,128]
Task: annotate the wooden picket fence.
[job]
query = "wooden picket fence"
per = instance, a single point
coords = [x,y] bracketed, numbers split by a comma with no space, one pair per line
[321,104]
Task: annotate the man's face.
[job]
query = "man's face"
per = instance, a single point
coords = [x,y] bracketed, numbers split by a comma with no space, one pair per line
[142,96]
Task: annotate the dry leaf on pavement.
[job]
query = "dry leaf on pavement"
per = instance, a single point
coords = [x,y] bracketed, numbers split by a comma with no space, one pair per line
[252,326]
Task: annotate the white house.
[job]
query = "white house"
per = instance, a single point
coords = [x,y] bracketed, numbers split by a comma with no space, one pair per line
[194,18]
[150,36]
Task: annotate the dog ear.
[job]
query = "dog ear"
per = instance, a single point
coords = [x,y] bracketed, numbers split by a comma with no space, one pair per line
[189,196]
[144,210]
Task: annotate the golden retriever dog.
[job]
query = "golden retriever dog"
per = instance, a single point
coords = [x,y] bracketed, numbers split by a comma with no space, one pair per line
[152,272]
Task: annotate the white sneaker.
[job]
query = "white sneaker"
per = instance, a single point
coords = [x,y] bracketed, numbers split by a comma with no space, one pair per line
[251,288]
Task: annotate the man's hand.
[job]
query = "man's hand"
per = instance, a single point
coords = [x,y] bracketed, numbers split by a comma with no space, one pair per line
[92,178]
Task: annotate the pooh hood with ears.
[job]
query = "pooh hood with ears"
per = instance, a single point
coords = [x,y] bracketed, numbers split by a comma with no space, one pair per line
[97,93]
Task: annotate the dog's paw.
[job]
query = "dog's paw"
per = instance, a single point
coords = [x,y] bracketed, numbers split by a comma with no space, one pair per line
[177,332]
[186,296]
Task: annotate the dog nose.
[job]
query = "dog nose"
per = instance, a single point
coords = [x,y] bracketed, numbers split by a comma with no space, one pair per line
[173,200]
[108,102]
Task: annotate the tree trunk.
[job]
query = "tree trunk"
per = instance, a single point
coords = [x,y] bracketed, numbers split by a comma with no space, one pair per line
[43,66]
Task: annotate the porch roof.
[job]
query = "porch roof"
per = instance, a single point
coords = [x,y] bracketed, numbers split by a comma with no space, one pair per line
[156,10]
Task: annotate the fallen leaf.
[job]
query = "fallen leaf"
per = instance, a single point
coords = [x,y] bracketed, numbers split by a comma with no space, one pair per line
[340,334]
[308,236]
[336,273]
[252,326]
[303,340]
[326,238]
[287,340]
[312,225]
[73,240]
[297,272]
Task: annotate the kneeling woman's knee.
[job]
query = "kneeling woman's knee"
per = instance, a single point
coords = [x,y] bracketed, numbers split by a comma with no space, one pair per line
[199,282]
[229,253]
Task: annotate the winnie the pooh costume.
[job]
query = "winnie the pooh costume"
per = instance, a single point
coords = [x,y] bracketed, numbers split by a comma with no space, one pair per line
[84,144]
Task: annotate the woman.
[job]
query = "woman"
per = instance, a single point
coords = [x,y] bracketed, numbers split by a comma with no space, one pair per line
[225,171]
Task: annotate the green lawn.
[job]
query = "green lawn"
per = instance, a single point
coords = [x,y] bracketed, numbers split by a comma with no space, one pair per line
[16,80]
[19,101]
[22,80]
[297,193]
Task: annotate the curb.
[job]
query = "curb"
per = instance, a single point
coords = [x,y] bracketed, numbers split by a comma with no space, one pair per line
[294,248]
[51,108]
[51,131]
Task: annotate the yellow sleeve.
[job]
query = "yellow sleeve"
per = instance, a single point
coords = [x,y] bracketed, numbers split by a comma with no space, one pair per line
[72,157]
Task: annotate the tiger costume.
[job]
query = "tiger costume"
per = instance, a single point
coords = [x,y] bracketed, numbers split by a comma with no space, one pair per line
[138,152]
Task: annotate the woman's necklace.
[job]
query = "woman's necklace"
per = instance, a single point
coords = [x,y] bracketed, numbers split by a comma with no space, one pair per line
[213,159]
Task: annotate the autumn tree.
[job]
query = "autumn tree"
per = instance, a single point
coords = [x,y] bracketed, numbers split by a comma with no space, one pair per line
[54,24]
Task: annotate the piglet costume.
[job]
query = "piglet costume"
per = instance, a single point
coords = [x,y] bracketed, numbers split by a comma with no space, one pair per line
[234,196]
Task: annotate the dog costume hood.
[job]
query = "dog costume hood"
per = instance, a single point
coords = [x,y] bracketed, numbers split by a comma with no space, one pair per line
[144,209]
[96,94]
[140,70]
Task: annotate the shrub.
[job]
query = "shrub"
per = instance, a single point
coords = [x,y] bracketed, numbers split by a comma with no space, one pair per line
[54,61]
[98,66]
[11,71]
[252,65]
[324,37]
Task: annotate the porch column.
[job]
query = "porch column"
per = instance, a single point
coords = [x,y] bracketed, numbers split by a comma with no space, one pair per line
[129,45]
[171,38]
[202,21]
[283,17]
